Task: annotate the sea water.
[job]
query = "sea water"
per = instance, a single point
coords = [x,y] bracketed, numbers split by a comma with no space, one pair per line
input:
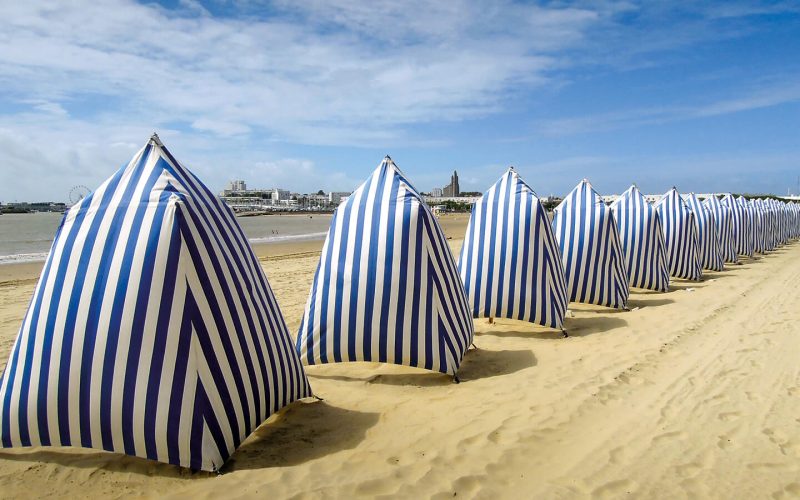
[28,237]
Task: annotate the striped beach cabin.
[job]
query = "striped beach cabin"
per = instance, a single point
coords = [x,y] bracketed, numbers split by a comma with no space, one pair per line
[742,226]
[707,237]
[680,235]
[642,240]
[768,217]
[750,217]
[591,252]
[759,233]
[723,219]
[152,331]
[386,288]
[510,263]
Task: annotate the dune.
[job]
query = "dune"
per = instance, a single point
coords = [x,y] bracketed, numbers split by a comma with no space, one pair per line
[694,392]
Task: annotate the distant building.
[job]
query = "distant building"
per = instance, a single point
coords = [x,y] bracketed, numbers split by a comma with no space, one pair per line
[237,185]
[336,197]
[279,195]
[436,192]
[452,189]
[40,206]
[317,200]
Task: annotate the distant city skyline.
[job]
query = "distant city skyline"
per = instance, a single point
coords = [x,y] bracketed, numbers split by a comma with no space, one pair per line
[309,95]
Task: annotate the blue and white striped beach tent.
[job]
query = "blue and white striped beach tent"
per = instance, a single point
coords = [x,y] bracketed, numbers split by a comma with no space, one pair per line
[707,237]
[750,218]
[152,331]
[768,224]
[772,223]
[723,219]
[759,226]
[510,263]
[387,288]
[680,235]
[742,227]
[591,252]
[642,239]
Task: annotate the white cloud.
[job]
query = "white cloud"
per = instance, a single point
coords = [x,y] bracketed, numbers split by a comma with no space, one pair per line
[761,96]
[319,73]
[230,76]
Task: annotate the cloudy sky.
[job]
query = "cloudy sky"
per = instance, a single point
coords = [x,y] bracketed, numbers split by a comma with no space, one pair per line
[310,95]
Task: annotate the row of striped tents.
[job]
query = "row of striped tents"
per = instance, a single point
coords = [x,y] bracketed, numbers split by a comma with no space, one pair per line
[707,237]
[680,236]
[591,251]
[723,220]
[153,330]
[510,262]
[386,287]
[642,239]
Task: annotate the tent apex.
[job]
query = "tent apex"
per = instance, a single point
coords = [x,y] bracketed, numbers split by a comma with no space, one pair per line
[155,140]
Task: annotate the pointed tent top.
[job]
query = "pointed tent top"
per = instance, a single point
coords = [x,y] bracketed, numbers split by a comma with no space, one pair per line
[588,184]
[156,141]
[512,169]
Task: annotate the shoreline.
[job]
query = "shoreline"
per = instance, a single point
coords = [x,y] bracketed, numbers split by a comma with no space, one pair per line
[454,226]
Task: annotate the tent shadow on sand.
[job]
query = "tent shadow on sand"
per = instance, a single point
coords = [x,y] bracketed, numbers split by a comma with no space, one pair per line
[576,327]
[483,363]
[582,327]
[87,458]
[477,364]
[643,303]
[303,431]
[684,285]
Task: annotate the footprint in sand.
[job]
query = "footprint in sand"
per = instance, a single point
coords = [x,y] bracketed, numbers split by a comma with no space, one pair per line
[688,470]
[728,416]
[614,489]
[770,466]
[791,490]
[669,436]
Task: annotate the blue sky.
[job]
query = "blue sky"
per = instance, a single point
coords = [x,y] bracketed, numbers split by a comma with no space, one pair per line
[310,95]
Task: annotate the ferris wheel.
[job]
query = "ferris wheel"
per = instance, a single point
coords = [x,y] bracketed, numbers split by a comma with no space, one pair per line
[77,193]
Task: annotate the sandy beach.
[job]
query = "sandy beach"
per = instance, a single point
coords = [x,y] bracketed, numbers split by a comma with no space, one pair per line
[693,393]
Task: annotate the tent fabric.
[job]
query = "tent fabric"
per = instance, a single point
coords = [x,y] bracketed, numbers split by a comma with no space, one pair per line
[510,263]
[750,218]
[386,288]
[770,224]
[680,235]
[742,226]
[153,330]
[707,237]
[723,219]
[642,239]
[759,230]
[591,251]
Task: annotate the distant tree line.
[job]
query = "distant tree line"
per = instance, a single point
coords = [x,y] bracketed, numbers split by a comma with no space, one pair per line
[456,206]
